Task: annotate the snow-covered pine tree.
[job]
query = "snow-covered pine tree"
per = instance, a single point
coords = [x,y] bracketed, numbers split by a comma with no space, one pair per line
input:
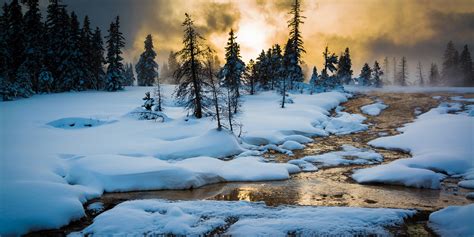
[97,61]
[377,74]
[22,86]
[344,68]
[231,73]
[421,78]
[33,30]
[147,68]
[158,94]
[191,86]
[365,75]
[296,43]
[403,72]
[149,101]
[250,77]
[70,70]
[115,43]
[46,80]
[129,75]
[330,61]
[315,82]
[275,65]
[434,75]
[262,66]
[465,64]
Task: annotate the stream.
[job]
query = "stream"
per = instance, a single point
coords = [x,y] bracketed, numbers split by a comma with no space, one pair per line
[330,186]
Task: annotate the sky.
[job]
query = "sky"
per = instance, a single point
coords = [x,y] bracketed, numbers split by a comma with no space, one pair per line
[372,29]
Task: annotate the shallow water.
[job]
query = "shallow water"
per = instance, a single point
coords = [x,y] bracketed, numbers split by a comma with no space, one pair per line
[328,186]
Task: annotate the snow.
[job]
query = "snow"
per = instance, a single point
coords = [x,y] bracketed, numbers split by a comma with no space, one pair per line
[291,145]
[437,140]
[345,123]
[460,98]
[453,221]
[63,168]
[159,217]
[373,109]
[467,184]
[349,155]
[115,173]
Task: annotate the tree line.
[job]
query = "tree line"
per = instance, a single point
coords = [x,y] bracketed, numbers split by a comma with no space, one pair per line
[57,54]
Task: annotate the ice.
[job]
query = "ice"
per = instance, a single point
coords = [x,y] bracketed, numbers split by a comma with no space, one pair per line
[453,221]
[159,217]
[373,109]
[437,140]
[74,123]
[349,155]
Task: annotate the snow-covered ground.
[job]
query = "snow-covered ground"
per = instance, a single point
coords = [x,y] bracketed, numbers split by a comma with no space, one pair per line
[158,217]
[440,143]
[59,150]
[453,221]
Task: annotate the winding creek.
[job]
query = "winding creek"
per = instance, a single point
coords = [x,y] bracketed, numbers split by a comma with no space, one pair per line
[330,186]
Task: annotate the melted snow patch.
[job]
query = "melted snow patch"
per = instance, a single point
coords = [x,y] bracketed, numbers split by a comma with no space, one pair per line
[76,123]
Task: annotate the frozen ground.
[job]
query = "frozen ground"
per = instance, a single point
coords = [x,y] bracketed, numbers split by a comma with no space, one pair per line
[453,221]
[440,143]
[157,217]
[60,150]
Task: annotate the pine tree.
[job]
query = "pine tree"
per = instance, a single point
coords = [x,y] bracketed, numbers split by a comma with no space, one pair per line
[365,75]
[173,64]
[250,77]
[129,75]
[97,61]
[450,74]
[165,71]
[434,75]
[330,61]
[465,63]
[191,86]
[421,79]
[15,39]
[232,71]
[263,66]
[377,73]
[296,43]
[115,43]
[33,30]
[275,61]
[45,80]
[5,85]
[87,52]
[147,68]
[403,72]
[315,82]
[386,70]
[344,71]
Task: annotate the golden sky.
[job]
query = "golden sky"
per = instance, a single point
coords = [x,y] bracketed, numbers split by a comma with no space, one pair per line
[372,29]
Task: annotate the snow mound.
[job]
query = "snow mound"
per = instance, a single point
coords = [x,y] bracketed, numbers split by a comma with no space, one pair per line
[438,142]
[373,109]
[291,145]
[76,123]
[453,221]
[348,156]
[197,218]
[115,173]
[345,123]
[143,114]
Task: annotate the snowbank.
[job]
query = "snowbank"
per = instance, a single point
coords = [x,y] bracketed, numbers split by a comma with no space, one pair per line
[159,217]
[48,172]
[438,142]
[348,156]
[453,221]
[114,173]
[345,123]
[373,109]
